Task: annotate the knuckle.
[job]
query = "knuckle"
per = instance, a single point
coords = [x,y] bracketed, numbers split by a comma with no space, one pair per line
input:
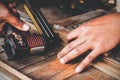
[69,47]
[100,47]
[77,50]
[85,64]
[87,32]
[67,58]
[91,57]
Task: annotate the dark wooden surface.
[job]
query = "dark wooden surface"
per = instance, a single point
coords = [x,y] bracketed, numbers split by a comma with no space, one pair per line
[48,67]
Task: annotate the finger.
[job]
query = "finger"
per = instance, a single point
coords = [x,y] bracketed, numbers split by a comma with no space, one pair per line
[12,5]
[70,46]
[75,53]
[17,23]
[87,60]
[14,10]
[73,34]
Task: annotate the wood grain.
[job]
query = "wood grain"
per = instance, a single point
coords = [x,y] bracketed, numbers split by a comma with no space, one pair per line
[13,71]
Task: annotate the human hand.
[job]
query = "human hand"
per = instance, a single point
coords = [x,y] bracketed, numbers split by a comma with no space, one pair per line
[8,15]
[99,35]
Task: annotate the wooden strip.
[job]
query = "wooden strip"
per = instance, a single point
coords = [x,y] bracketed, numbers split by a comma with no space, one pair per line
[111,62]
[90,74]
[110,68]
[5,75]
[13,71]
[107,69]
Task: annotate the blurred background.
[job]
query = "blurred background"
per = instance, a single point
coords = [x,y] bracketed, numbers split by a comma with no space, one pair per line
[55,10]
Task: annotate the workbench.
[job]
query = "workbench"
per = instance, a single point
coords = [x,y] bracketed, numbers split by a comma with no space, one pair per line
[46,66]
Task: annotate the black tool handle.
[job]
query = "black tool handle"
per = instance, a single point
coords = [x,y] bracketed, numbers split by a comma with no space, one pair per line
[41,20]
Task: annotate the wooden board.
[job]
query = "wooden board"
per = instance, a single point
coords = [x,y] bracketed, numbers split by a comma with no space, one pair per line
[46,66]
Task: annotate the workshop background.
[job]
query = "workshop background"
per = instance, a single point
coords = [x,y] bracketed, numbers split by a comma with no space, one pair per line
[55,10]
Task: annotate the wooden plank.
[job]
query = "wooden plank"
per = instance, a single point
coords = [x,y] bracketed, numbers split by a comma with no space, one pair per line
[14,72]
[107,69]
[4,75]
[112,63]
[91,74]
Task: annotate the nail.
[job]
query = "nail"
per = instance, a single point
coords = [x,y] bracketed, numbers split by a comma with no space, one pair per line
[79,69]
[25,27]
[62,61]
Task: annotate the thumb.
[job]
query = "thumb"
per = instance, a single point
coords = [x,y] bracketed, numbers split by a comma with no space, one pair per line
[16,22]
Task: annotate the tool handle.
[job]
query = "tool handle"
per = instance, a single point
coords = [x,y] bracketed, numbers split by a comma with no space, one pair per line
[41,20]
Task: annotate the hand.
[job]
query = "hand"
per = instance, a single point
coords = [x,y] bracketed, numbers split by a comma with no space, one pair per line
[8,15]
[99,35]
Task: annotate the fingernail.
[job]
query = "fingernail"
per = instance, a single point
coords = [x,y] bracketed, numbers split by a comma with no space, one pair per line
[25,27]
[79,69]
[62,61]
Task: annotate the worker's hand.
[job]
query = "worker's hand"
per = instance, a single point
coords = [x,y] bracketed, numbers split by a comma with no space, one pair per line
[99,35]
[8,15]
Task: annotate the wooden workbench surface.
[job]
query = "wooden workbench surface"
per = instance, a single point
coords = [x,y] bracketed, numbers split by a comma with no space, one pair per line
[47,66]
